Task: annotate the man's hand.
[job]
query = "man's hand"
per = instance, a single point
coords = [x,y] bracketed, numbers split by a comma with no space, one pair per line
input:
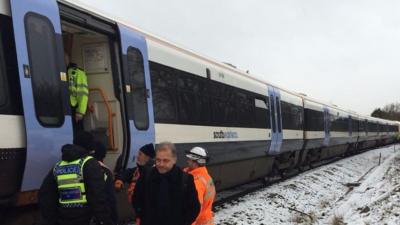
[118,185]
[78,117]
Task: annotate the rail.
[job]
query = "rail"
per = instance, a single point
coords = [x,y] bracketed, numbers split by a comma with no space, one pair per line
[110,116]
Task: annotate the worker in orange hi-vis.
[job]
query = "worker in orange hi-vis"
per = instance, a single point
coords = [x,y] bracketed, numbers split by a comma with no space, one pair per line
[197,159]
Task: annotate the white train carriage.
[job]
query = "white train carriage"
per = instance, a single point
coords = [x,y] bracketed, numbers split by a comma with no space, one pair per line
[143,89]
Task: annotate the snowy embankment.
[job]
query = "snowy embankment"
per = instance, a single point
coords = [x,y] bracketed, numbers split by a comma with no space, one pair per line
[354,190]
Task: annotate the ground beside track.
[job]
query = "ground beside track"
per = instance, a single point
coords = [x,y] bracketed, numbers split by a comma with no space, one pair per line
[355,190]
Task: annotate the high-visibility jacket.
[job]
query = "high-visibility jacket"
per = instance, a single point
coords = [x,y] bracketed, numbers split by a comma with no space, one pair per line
[78,89]
[132,184]
[70,184]
[206,194]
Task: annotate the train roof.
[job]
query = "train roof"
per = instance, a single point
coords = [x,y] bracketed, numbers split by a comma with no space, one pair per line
[114,19]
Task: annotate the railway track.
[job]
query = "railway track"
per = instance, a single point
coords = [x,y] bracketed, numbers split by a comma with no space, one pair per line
[233,194]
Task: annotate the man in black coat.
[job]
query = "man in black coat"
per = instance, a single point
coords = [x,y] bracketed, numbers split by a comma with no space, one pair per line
[54,201]
[166,195]
[144,163]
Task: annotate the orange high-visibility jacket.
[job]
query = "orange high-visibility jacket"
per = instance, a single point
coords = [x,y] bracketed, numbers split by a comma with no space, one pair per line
[206,194]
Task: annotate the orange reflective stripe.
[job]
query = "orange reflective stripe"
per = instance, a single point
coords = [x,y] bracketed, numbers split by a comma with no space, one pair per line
[210,189]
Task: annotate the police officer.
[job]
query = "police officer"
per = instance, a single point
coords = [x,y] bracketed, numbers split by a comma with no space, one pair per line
[197,158]
[73,192]
[78,93]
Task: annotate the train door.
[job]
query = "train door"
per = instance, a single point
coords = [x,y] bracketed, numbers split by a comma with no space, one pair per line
[350,125]
[276,120]
[327,121]
[42,75]
[137,90]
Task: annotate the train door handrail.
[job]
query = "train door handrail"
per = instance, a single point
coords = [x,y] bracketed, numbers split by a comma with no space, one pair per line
[110,116]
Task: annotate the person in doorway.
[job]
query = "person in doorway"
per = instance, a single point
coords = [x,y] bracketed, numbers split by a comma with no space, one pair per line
[197,158]
[78,93]
[166,195]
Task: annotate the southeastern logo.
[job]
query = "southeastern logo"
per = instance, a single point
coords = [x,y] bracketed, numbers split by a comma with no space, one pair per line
[225,135]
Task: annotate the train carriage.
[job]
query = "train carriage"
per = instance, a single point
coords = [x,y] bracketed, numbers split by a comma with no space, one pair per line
[143,89]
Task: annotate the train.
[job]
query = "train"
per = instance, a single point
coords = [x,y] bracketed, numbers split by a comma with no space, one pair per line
[144,89]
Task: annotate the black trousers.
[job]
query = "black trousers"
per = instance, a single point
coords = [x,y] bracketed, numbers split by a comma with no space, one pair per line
[76,125]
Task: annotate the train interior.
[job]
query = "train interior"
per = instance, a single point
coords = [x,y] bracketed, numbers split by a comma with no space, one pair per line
[90,51]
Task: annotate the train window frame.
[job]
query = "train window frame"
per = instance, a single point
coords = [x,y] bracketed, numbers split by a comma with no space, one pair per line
[41,104]
[140,113]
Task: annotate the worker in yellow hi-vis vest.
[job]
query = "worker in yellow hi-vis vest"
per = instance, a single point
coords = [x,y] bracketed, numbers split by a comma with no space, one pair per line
[78,94]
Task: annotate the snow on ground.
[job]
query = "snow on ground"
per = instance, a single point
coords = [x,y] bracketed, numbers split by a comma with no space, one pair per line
[354,190]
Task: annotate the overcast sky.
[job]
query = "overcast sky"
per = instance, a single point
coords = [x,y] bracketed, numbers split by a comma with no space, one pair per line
[338,51]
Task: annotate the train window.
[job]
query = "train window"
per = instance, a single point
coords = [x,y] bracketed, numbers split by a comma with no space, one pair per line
[260,103]
[262,115]
[193,99]
[163,84]
[292,116]
[185,98]
[46,84]
[314,120]
[3,79]
[205,112]
[339,124]
[223,105]
[139,91]
[188,110]
[218,112]
[355,125]
[245,109]
[360,126]
[9,78]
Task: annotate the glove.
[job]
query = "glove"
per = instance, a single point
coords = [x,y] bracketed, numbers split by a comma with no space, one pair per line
[78,117]
[118,185]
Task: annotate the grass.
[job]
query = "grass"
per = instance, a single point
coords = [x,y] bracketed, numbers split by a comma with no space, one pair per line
[337,220]
[305,219]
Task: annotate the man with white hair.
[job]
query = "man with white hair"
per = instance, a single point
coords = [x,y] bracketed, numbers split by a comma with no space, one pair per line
[166,195]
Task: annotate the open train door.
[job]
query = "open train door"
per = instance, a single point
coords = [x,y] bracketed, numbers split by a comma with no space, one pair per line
[43,81]
[137,90]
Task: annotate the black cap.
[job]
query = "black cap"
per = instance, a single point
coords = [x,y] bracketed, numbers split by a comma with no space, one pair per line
[100,151]
[85,140]
[148,150]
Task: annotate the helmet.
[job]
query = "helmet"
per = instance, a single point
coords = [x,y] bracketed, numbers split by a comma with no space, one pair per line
[198,154]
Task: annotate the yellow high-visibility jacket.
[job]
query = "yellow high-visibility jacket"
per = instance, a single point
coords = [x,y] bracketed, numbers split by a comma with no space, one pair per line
[78,89]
